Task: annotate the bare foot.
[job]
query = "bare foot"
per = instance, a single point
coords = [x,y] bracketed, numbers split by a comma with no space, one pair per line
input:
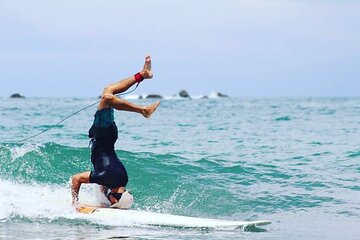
[146,72]
[148,110]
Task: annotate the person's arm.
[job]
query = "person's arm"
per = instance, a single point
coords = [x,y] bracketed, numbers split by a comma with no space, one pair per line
[76,182]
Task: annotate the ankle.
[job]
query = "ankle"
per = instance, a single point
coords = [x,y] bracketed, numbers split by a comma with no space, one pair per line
[139,77]
[143,111]
[146,74]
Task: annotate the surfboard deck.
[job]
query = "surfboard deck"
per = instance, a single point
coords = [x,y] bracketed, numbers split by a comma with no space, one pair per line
[135,217]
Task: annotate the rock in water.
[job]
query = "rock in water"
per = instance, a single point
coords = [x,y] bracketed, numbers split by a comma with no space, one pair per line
[17,95]
[184,94]
[222,95]
[154,96]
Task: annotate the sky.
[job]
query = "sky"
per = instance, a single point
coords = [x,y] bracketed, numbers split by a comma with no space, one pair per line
[260,48]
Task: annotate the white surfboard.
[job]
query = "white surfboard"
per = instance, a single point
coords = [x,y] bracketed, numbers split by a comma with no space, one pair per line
[135,217]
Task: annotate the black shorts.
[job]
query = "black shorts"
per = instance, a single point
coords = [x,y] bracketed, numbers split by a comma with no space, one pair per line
[108,170]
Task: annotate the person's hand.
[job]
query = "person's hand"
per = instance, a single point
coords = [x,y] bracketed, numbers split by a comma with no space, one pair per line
[77,205]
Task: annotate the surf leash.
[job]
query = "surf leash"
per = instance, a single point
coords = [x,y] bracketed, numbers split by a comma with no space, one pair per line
[73,114]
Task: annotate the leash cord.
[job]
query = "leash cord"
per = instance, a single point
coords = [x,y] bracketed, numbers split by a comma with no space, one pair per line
[51,127]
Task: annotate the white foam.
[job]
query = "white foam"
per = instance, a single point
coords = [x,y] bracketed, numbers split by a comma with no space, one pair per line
[41,200]
[132,97]
[213,95]
[198,97]
[17,152]
[51,202]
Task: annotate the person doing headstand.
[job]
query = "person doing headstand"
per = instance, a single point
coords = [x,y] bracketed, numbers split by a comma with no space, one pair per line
[109,171]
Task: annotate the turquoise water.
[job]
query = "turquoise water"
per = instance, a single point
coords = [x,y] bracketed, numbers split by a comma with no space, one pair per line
[294,161]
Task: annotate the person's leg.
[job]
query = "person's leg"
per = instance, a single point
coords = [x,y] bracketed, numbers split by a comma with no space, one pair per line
[126,83]
[76,182]
[109,99]
[123,105]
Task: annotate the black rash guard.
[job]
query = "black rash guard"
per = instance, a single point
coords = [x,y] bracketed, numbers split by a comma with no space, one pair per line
[108,169]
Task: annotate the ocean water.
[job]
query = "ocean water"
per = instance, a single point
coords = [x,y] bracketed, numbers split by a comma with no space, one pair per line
[293,161]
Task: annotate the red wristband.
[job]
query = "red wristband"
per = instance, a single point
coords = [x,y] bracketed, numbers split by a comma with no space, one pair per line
[138,77]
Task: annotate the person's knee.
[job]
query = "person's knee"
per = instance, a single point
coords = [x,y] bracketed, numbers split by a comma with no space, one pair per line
[108,90]
[107,98]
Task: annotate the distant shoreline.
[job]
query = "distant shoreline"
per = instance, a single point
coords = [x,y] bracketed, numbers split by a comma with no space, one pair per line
[165,97]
